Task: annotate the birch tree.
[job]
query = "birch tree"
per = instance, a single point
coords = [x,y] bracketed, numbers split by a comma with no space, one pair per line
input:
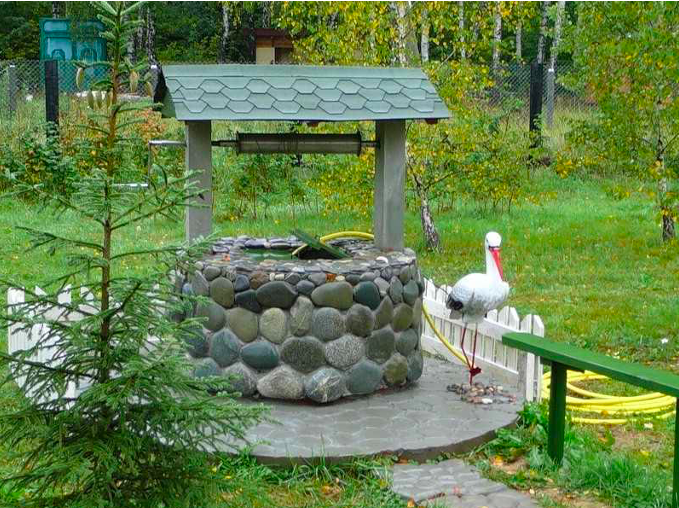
[460,25]
[497,36]
[424,37]
[544,6]
[224,39]
[558,20]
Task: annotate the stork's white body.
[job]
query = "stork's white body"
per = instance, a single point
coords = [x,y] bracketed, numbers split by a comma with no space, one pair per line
[479,293]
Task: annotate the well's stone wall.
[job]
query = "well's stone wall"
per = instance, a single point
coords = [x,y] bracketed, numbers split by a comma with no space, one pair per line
[319,329]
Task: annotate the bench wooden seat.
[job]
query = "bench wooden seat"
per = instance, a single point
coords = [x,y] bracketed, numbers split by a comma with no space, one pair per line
[563,357]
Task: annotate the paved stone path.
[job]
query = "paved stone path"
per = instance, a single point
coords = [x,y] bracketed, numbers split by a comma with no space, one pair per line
[417,423]
[454,484]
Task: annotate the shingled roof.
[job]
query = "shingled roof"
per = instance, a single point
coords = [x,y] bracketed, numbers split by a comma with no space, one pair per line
[296,92]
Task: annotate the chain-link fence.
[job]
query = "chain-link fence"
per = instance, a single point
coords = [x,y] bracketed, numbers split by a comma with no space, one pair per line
[22,90]
[561,95]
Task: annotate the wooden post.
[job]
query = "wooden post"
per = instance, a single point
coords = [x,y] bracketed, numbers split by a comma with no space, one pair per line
[557,412]
[52,91]
[535,101]
[390,174]
[199,160]
[12,89]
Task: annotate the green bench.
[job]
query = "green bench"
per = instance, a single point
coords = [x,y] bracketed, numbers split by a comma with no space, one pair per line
[563,357]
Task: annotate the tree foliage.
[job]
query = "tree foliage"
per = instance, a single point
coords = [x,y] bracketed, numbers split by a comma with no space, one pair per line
[139,432]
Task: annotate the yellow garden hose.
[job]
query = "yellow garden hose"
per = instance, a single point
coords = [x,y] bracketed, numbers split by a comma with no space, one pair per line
[612,410]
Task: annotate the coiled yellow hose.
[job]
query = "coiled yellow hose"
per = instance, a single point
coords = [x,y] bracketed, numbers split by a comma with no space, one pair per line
[640,407]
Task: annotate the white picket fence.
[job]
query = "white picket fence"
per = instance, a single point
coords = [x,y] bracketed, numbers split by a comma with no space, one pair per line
[505,364]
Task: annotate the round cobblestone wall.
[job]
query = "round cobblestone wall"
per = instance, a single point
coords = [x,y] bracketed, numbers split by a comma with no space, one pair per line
[319,329]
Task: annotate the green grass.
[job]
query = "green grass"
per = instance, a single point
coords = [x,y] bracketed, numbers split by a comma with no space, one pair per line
[590,264]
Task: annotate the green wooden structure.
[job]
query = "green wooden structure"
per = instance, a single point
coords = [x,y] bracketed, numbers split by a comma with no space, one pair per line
[563,357]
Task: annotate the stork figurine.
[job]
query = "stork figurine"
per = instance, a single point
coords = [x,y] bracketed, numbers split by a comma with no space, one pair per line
[474,295]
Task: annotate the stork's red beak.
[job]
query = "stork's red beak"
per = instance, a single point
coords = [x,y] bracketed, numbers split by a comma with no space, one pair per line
[495,252]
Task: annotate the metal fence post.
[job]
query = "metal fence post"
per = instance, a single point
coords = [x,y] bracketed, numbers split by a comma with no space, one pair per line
[52,91]
[551,77]
[12,89]
[535,101]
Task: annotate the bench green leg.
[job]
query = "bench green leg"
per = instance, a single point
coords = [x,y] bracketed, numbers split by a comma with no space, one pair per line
[675,483]
[557,412]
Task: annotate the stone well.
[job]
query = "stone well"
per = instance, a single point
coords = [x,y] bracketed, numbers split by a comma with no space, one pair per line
[319,329]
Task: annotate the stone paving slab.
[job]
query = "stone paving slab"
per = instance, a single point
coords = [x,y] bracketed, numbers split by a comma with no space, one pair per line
[417,423]
[454,484]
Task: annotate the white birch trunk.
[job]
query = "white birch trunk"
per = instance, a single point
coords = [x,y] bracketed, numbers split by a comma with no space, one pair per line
[497,37]
[543,28]
[424,39]
[519,34]
[150,38]
[224,41]
[561,5]
[400,9]
[460,25]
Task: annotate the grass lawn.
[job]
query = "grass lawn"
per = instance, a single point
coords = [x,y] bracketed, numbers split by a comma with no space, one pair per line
[591,265]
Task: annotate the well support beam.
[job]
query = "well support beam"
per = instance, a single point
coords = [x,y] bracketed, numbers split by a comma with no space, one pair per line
[199,161]
[390,176]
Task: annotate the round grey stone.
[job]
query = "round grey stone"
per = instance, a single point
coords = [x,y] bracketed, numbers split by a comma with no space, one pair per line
[407,341]
[211,272]
[187,289]
[213,315]
[363,378]
[282,383]
[292,278]
[221,291]
[260,355]
[300,316]
[318,278]
[382,285]
[404,276]
[353,278]
[360,320]
[277,294]
[196,343]
[325,385]
[327,324]
[345,351]
[369,276]
[415,365]
[304,354]
[242,283]
[242,379]
[273,325]
[248,300]
[411,292]
[243,323]
[396,370]
[206,368]
[305,287]
[225,348]
[339,295]
[380,345]
[387,273]
[384,313]
[403,317]
[417,313]
[200,285]
[396,290]
[258,279]
[366,293]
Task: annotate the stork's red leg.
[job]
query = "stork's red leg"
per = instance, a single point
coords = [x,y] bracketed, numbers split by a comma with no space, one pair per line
[473,369]
[464,331]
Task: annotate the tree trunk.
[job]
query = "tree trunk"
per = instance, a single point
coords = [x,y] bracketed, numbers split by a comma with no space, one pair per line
[543,28]
[224,41]
[561,5]
[400,8]
[150,38]
[519,30]
[424,39]
[431,235]
[497,37]
[460,26]
[56,9]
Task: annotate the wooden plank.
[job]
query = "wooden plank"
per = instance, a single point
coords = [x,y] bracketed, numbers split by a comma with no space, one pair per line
[578,358]
[557,413]
[313,242]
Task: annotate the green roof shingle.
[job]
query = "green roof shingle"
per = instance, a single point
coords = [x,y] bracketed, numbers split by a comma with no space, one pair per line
[296,92]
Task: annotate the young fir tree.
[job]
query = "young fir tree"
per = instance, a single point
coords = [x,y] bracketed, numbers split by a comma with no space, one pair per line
[141,431]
